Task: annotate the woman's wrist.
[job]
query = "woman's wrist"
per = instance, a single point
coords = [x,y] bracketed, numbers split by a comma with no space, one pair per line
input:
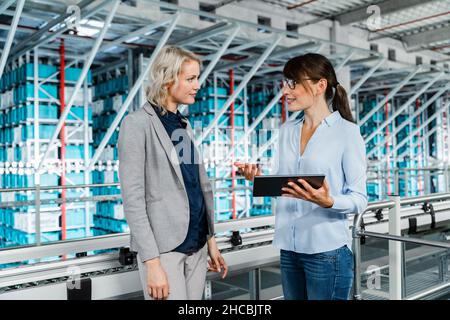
[212,245]
[329,202]
[153,262]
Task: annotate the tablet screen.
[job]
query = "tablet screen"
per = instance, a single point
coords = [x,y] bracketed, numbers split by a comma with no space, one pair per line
[270,186]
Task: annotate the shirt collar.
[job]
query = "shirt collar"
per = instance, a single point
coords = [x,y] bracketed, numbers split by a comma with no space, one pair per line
[331,118]
[169,115]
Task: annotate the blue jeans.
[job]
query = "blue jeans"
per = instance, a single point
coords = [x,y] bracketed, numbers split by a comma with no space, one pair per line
[320,276]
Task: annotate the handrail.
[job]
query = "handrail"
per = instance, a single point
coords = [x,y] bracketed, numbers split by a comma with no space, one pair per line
[388,204]
[118,240]
[357,232]
[59,248]
[431,243]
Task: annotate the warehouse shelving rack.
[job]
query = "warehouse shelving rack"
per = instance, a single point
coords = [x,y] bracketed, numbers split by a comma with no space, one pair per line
[407,119]
[41,110]
[222,45]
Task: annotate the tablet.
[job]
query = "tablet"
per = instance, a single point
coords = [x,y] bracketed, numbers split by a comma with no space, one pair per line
[270,186]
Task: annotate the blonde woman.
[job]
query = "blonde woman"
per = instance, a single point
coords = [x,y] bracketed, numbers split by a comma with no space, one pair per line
[167,197]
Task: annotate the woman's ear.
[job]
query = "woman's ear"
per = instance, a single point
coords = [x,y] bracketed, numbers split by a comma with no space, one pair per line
[322,86]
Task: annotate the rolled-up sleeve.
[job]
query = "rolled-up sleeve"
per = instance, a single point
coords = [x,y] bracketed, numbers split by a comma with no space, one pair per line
[354,196]
[131,147]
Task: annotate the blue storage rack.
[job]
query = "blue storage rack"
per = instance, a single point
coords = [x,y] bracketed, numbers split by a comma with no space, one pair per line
[110,225]
[209,91]
[110,87]
[17,127]
[108,91]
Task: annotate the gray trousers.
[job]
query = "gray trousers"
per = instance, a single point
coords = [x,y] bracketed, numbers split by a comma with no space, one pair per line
[186,274]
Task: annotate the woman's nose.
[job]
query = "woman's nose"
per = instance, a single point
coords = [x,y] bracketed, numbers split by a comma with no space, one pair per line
[196,84]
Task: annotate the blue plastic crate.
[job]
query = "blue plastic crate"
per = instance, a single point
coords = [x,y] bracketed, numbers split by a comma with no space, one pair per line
[8,82]
[223,183]
[222,204]
[99,232]
[101,191]
[73,74]
[207,105]
[195,108]
[77,151]
[79,113]
[77,218]
[224,120]
[3,155]
[24,92]
[30,196]
[45,131]
[208,91]
[49,179]
[112,225]
[114,138]
[44,71]
[108,104]
[224,216]
[239,120]
[45,112]
[259,212]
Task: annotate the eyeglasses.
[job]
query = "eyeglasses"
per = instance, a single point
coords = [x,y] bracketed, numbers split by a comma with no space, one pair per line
[290,83]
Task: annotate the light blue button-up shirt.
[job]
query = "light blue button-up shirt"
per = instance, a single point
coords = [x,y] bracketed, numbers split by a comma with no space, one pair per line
[337,150]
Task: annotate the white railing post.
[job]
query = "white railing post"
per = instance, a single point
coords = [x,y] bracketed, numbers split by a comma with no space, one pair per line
[395,252]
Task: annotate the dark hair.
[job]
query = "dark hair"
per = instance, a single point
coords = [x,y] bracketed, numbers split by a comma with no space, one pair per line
[315,66]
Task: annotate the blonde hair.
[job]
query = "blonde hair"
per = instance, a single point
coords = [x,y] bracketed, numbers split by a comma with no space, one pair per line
[165,70]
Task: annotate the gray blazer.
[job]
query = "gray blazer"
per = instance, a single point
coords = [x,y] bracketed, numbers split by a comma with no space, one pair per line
[155,200]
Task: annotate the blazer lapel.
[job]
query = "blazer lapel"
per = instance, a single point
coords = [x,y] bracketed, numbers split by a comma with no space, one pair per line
[165,140]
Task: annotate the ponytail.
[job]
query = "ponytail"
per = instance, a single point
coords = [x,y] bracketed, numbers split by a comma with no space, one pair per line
[340,103]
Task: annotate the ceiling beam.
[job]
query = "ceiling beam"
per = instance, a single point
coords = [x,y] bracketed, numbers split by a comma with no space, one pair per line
[386,7]
[279,53]
[426,37]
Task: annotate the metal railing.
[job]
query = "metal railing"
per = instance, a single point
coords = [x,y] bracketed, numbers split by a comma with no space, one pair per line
[396,249]
[37,202]
[396,259]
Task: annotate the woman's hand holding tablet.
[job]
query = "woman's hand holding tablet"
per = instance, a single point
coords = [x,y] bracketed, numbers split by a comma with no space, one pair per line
[319,196]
